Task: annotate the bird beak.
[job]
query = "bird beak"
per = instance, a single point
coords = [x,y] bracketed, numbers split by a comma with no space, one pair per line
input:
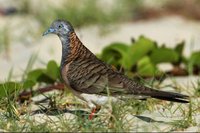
[50,30]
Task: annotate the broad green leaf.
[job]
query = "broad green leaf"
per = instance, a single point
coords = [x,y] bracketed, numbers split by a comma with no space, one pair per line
[45,79]
[48,75]
[146,68]
[28,84]
[137,51]
[9,88]
[160,55]
[179,48]
[35,74]
[114,53]
[52,70]
[194,61]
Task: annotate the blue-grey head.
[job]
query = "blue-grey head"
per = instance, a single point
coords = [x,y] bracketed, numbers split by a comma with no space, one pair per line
[60,27]
[63,29]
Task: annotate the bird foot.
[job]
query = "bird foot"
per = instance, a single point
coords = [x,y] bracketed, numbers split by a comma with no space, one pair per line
[94,110]
[92,114]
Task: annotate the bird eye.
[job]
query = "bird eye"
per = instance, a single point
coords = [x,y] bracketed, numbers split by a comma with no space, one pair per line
[60,26]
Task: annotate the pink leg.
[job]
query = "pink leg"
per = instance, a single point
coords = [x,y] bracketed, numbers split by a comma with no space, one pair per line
[92,113]
[94,110]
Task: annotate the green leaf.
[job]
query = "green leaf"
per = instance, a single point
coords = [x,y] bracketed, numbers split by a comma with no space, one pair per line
[179,48]
[45,79]
[48,75]
[52,70]
[9,88]
[146,68]
[114,53]
[28,84]
[35,74]
[160,55]
[137,51]
[194,61]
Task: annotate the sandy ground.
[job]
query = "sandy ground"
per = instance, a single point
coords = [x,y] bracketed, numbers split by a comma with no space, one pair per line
[168,30]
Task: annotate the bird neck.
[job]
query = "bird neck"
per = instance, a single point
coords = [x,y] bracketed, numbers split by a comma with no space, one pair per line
[73,49]
[65,48]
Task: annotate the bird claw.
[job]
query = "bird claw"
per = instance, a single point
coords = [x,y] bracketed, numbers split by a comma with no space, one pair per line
[94,110]
[92,114]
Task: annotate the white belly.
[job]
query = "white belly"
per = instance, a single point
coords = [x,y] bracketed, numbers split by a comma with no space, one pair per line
[94,99]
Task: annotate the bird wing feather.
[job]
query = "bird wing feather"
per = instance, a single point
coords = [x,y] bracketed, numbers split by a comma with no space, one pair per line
[98,78]
[94,76]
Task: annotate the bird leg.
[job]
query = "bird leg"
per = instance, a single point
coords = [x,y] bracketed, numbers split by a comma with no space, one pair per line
[94,110]
[91,103]
[92,113]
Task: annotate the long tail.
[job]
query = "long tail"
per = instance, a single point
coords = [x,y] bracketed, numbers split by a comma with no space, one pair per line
[138,89]
[163,95]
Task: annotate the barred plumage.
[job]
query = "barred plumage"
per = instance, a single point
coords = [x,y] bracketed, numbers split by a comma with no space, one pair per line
[83,72]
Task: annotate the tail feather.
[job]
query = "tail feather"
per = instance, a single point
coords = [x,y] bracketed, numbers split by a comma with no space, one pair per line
[169,96]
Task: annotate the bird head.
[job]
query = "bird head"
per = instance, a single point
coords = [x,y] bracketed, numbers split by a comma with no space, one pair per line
[60,28]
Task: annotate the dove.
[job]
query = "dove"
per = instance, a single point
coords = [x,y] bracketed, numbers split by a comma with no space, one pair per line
[87,76]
